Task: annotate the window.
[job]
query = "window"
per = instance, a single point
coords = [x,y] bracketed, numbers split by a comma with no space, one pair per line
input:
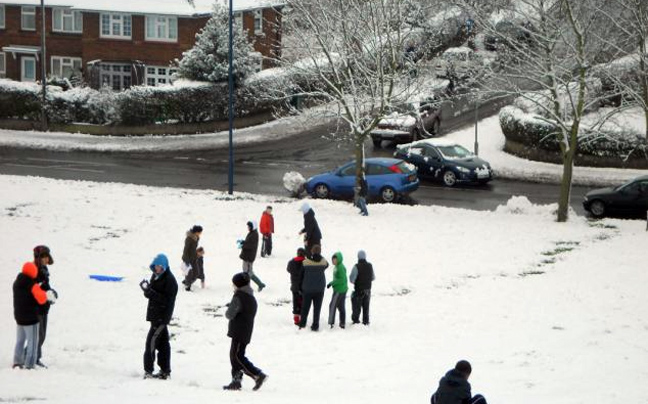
[116,26]
[238,20]
[348,170]
[28,68]
[159,76]
[64,20]
[258,22]
[160,28]
[28,18]
[115,75]
[375,169]
[65,67]
[3,66]
[2,16]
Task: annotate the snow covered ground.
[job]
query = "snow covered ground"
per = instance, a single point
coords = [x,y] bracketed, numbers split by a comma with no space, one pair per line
[546,312]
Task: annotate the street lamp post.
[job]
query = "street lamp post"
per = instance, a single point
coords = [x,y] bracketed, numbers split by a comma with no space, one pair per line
[43,68]
[230,173]
[476,125]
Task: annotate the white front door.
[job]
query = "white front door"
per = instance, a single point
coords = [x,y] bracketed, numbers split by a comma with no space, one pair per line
[28,68]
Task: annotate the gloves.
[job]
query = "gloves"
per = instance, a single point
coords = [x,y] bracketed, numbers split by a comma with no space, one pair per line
[51,296]
[144,285]
[239,244]
[328,286]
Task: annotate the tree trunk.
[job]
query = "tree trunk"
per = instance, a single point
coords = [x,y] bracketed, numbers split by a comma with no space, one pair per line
[360,164]
[565,186]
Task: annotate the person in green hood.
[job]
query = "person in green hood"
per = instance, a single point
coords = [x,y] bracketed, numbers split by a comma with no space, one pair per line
[340,288]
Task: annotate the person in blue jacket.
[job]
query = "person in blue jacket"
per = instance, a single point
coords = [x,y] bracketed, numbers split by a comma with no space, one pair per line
[454,387]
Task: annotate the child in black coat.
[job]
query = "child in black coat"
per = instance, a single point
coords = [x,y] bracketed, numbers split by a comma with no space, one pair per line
[296,270]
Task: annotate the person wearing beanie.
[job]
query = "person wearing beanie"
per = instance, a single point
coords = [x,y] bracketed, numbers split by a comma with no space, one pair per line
[454,387]
[296,270]
[311,230]
[28,296]
[249,248]
[313,286]
[266,226]
[190,256]
[161,291]
[43,258]
[240,313]
[340,288]
[362,276]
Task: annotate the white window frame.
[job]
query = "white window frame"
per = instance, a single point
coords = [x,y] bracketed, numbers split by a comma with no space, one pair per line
[155,78]
[2,16]
[62,62]
[115,17]
[63,14]
[258,16]
[3,64]
[22,68]
[161,21]
[110,72]
[26,12]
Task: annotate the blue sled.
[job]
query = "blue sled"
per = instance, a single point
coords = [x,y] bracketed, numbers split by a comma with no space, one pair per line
[106,278]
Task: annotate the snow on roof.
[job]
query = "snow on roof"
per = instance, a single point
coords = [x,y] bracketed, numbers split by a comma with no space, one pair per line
[432,142]
[169,7]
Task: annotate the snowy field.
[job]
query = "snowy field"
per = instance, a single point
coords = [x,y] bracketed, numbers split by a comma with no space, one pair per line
[545,312]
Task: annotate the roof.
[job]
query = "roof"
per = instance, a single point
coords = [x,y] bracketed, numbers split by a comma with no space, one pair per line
[167,7]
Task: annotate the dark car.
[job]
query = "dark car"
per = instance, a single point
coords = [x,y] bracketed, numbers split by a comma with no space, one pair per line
[445,161]
[387,178]
[409,122]
[627,200]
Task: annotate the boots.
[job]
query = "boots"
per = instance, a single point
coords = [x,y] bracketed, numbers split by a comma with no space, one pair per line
[296,319]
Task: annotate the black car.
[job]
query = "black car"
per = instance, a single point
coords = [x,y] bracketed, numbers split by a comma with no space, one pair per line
[627,200]
[446,161]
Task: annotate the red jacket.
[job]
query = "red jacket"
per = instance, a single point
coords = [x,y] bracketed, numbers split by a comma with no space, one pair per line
[267,223]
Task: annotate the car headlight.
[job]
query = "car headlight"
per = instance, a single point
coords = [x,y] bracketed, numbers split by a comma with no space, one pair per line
[463,170]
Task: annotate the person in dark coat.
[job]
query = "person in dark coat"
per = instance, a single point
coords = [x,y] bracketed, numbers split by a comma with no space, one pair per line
[240,313]
[249,248]
[200,266]
[189,255]
[161,291]
[363,191]
[28,297]
[454,387]
[296,270]
[362,276]
[311,230]
[313,287]
[43,258]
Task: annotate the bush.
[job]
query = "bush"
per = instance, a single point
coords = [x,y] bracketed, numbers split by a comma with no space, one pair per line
[19,100]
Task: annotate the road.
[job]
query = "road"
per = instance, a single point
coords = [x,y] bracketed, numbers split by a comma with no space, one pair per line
[259,168]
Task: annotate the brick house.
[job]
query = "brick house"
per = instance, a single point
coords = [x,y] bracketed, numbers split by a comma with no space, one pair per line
[119,43]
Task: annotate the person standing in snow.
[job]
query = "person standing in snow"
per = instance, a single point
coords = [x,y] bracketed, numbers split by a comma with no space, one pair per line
[340,288]
[43,258]
[311,230]
[28,297]
[454,387]
[200,266]
[362,276]
[189,255]
[313,287]
[363,191]
[266,226]
[296,270]
[240,313]
[249,248]
[161,291]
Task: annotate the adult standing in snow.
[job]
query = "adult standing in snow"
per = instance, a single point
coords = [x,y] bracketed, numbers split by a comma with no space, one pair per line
[189,255]
[295,268]
[267,228]
[340,288]
[161,291]
[240,313]
[27,299]
[43,258]
[454,387]
[311,230]
[249,249]
[313,287]
[362,276]
[363,191]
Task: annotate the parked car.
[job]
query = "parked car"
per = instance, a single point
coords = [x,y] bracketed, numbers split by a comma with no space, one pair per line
[388,179]
[626,200]
[409,122]
[444,160]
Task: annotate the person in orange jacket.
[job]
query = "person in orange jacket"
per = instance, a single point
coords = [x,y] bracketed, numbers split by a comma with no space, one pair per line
[28,297]
[266,226]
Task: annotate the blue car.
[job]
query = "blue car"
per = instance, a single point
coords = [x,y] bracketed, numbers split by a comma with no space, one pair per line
[388,179]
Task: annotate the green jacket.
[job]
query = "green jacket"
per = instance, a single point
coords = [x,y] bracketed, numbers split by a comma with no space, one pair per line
[339,282]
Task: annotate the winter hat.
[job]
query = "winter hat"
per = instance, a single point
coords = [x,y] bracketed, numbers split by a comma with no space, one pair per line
[29,269]
[241,279]
[196,229]
[362,255]
[160,260]
[41,251]
[305,207]
[463,367]
[252,225]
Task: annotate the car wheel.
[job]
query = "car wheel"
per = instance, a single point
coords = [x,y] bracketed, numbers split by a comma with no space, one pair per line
[597,208]
[449,178]
[388,194]
[322,191]
[377,143]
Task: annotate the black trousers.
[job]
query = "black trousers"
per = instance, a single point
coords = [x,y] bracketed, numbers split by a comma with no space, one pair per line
[360,300]
[266,245]
[240,363]
[316,299]
[296,302]
[157,340]
[42,333]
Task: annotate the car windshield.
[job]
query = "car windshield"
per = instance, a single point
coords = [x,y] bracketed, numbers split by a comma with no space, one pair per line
[405,167]
[455,152]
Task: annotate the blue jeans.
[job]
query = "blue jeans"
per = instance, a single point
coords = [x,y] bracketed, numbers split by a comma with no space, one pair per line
[362,204]
[26,335]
